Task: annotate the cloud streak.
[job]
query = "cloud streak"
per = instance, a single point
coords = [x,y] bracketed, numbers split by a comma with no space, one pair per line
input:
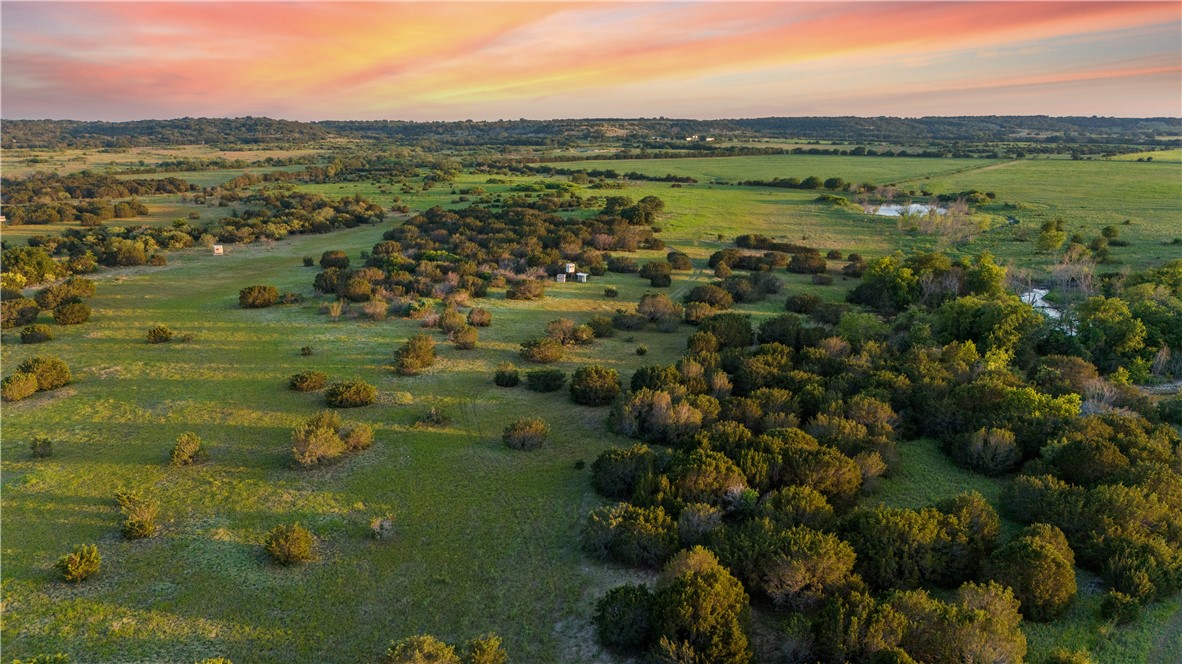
[315,60]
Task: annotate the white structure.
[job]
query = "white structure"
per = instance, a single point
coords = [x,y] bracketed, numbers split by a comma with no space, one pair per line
[218,250]
[560,277]
[570,268]
[581,277]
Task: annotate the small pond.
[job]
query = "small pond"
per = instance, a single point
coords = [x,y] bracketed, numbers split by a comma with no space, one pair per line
[896,210]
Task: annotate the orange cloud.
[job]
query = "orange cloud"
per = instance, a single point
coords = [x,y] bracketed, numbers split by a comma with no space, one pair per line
[342,60]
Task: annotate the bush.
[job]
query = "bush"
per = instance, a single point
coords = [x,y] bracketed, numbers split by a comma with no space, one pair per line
[71,313]
[188,450]
[41,447]
[716,297]
[35,334]
[507,376]
[622,618]
[611,291]
[450,321]
[421,649]
[288,545]
[679,261]
[357,437]
[51,373]
[802,304]
[350,394]
[18,386]
[622,265]
[140,514]
[1120,608]
[631,534]
[417,354]
[806,264]
[306,351]
[642,350]
[526,289]
[334,258]
[480,317]
[594,385]
[308,381]
[541,351]
[629,322]
[81,563]
[74,288]
[309,261]
[822,280]
[545,380]
[696,311]
[731,329]
[1169,410]
[466,337]
[258,297]
[601,326]
[159,335]
[18,311]
[433,417]
[526,434]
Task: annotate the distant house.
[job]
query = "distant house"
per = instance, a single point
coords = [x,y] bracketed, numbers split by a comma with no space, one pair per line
[560,277]
[571,267]
[581,277]
[218,250]
[2,219]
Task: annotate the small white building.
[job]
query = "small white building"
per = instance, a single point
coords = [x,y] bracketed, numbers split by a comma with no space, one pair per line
[560,277]
[218,250]
[581,277]
[570,268]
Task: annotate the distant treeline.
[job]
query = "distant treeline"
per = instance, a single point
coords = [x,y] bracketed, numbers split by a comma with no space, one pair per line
[186,131]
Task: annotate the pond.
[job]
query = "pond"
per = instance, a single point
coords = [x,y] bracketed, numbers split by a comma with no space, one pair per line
[1035,298]
[896,210]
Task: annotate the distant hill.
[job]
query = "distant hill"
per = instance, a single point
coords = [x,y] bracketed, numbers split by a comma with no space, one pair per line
[186,131]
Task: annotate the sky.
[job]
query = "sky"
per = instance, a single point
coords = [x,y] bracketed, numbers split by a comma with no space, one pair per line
[491,60]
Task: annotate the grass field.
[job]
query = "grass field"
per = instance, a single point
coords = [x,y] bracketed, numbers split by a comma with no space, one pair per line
[487,539]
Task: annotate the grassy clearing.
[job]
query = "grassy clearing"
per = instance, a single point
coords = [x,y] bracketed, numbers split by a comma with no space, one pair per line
[21,162]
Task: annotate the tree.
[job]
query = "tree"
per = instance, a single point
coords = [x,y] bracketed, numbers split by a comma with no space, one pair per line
[1051,236]
[1109,331]
[1039,566]
[630,534]
[623,618]
[594,385]
[702,611]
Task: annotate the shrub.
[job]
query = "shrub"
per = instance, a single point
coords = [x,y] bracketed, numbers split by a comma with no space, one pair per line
[1040,568]
[565,331]
[159,335]
[594,385]
[526,289]
[35,334]
[51,373]
[802,303]
[834,254]
[601,326]
[350,394]
[140,514]
[507,376]
[466,337]
[806,264]
[188,450]
[545,380]
[486,649]
[41,447]
[541,351]
[679,261]
[18,386]
[731,329]
[81,563]
[631,534]
[421,649]
[822,280]
[526,434]
[71,313]
[1065,656]
[642,350]
[696,311]
[712,295]
[357,289]
[1120,608]
[480,317]
[289,544]
[622,265]
[309,261]
[450,321]
[417,354]
[17,311]
[357,437]
[308,381]
[74,288]
[611,291]
[622,618]
[988,451]
[629,322]
[334,258]
[258,297]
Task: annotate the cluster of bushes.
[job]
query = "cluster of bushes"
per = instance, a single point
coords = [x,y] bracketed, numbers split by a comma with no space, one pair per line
[64,300]
[324,438]
[350,394]
[486,649]
[36,374]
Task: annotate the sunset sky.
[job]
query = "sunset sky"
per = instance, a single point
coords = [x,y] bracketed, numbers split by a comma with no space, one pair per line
[444,61]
